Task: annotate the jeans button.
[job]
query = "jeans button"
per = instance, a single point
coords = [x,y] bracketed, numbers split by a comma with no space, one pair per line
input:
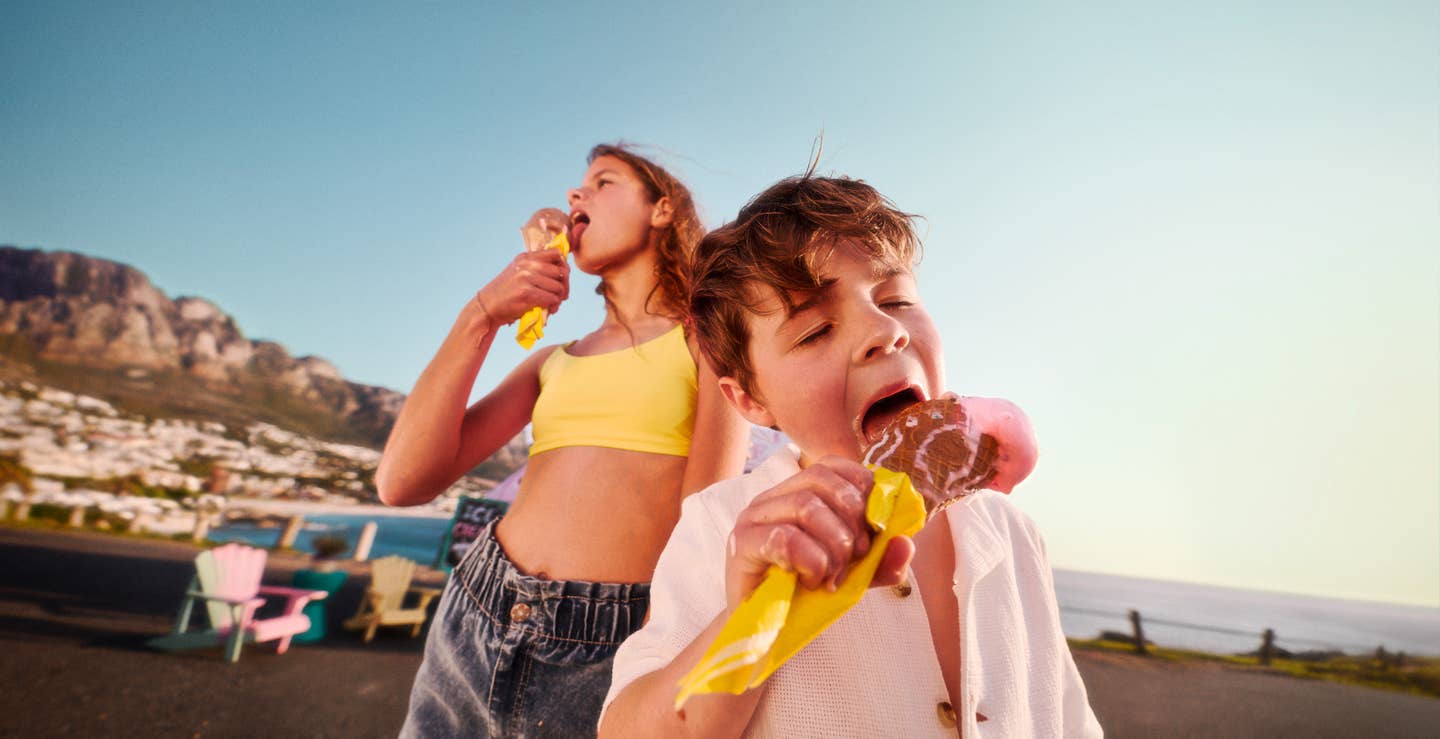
[903,589]
[519,612]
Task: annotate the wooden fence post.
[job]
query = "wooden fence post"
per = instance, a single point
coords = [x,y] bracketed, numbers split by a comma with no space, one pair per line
[292,530]
[1139,632]
[202,525]
[367,538]
[1267,646]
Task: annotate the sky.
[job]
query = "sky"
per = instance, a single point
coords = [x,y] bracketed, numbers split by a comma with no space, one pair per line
[1195,242]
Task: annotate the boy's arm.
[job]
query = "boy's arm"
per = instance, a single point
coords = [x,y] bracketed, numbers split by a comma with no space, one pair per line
[646,707]
[811,523]
[687,603]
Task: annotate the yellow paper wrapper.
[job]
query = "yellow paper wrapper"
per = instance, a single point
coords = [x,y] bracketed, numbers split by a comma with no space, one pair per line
[776,620]
[532,324]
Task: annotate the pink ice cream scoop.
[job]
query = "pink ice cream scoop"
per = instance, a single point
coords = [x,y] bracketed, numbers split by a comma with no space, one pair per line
[951,447]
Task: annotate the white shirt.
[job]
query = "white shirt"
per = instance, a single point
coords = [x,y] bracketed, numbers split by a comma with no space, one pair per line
[874,673]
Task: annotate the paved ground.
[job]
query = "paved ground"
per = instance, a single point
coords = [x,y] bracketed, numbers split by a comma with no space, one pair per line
[1137,697]
[76,609]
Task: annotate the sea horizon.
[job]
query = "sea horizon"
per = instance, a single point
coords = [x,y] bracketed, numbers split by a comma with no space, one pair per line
[1226,619]
[1263,591]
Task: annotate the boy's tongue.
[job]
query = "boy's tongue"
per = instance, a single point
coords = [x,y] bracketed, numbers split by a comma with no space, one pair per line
[883,413]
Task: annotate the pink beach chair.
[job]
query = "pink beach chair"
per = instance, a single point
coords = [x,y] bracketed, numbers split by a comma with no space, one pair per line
[227,579]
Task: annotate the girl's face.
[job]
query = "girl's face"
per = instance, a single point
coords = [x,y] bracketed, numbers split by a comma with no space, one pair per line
[611,216]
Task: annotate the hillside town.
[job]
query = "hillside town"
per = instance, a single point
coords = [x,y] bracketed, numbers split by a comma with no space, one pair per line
[79,451]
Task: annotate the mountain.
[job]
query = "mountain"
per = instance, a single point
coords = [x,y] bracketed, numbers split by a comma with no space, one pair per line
[99,327]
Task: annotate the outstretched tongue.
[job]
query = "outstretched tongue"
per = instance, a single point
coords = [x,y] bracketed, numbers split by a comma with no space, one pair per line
[883,412]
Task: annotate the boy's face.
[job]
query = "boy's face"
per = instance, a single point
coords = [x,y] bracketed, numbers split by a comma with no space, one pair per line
[846,361]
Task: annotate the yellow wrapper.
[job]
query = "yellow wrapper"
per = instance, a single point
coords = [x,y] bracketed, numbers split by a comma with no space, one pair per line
[532,324]
[776,620]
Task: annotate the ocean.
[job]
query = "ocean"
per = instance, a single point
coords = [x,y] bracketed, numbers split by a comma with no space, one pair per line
[1231,619]
[413,537]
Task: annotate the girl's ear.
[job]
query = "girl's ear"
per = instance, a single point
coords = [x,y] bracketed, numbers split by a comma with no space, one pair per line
[749,406]
[662,213]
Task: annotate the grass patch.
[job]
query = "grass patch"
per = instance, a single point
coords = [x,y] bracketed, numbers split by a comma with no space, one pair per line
[1415,675]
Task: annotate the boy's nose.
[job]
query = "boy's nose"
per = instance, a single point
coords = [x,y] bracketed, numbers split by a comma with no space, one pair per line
[884,335]
[573,195]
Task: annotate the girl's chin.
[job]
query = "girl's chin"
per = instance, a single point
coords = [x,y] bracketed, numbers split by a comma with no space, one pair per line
[584,265]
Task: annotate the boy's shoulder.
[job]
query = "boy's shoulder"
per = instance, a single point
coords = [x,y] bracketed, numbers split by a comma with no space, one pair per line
[995,509]
[723,501]
[988,528]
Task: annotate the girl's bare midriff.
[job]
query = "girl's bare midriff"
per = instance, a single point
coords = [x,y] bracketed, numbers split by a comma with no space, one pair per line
[593,513]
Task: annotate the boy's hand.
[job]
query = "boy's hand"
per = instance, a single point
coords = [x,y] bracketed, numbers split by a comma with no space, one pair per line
[814,524]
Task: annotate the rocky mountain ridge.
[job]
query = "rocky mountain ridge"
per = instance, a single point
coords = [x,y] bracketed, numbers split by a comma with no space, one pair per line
[100,327]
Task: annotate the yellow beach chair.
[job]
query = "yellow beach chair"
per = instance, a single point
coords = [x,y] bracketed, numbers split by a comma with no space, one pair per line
[384,603]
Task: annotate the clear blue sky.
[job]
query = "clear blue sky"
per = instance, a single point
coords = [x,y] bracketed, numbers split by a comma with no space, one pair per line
[1197,242]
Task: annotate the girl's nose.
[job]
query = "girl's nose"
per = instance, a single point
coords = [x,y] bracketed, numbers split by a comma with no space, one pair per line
[883,335]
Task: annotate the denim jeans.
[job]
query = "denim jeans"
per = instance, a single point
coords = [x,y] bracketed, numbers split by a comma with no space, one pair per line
[516,656]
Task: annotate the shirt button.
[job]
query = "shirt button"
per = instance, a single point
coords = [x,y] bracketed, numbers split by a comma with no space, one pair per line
[520,612]
[946,712]
[903,589]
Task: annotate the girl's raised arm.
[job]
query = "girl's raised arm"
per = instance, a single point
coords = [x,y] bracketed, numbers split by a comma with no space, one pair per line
[436,439]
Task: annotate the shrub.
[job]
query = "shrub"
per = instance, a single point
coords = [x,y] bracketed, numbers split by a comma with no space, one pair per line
[329,546]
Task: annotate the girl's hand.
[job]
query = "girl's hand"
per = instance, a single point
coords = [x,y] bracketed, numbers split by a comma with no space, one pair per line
[534,278]
[812,523]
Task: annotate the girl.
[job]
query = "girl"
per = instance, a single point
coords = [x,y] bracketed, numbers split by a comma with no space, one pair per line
[523,639]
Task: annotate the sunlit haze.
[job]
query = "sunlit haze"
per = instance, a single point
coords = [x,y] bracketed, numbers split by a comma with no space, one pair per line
[1196,242]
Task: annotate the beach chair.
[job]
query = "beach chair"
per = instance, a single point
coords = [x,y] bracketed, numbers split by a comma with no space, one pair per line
[385,599]
[227,579]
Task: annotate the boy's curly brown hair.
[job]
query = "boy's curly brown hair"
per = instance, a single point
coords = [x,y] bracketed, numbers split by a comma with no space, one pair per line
[778,240]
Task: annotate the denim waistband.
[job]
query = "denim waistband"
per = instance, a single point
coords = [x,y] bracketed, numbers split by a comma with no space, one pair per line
[570,612]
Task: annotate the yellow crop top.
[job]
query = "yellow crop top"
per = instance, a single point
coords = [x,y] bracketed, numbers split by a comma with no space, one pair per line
[640,398]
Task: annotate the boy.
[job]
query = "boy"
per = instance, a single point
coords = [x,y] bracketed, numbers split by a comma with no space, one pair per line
[808,310]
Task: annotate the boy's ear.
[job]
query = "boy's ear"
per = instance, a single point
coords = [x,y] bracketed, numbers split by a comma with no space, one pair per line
[662,213]
[749,406]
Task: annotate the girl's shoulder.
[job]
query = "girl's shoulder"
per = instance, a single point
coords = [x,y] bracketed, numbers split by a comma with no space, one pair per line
[614,338]
[534,362]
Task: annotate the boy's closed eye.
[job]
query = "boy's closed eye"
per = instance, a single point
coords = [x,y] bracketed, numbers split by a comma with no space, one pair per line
[823,330]
[814,335]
